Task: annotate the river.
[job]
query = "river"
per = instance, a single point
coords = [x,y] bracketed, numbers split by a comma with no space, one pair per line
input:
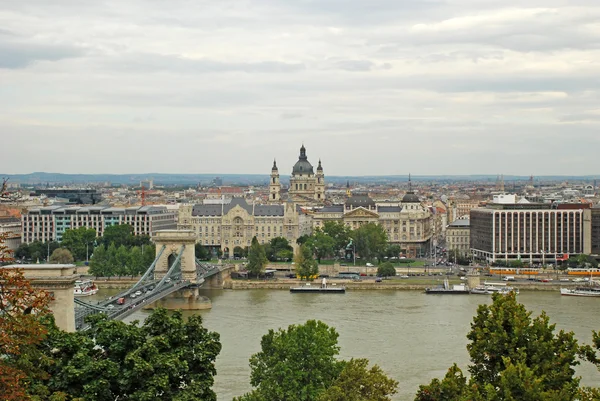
[413,337]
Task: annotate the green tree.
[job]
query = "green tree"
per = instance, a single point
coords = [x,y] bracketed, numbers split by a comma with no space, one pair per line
[257,260]
[79,241]
[167,358]
[238,251]
[61,256]
[148,255]
[514,357]
[99,262]
[357,383]
[201,252]
[393,251]
[121,261]
[278,248]
[296,364]
[386,270]
[453,387]
[370,240]
[321,244]
[120,234]
[112,264]
[136,261]
[339,232]
[36,250]
[306,265]
[302,239]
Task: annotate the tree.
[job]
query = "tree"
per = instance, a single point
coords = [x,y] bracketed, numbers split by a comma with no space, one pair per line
[393,251]
[167,358]
[357,383]
[238,251]
[36,250]
[296,364]
[136,262]
[61,256]
[122,261]
[321,244]
[201,252]
[279,248]
[514,357]
[451,388]
[78,241]
[120,234]
[339,232]
[386,270]
[257,260]
[99,262]
[306,265]
[370,240]
[22,309]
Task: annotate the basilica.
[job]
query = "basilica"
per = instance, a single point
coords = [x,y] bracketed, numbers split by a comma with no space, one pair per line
[306,187]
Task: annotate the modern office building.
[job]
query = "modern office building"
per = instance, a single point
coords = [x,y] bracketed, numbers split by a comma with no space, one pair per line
[530,232]
[595,231]
[458,236]
[50,223]
[72,196]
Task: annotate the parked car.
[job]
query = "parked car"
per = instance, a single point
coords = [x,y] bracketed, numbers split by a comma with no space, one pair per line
[369,265]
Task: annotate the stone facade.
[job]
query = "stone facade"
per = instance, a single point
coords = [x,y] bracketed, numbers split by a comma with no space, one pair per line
[458,237]
[408,225]
[233,224]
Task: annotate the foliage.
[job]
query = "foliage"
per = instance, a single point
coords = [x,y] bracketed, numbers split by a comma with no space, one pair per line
[279,249]
[296,364]
[61,256]
[370,240]
[386,270]
[22,309]
[516,263]
[339,232]
[584,261]
[321,244]
[201,252]
[357,383]
[459,257]
[6,255]
[306,265]
[302,239]
[79,241]
[167,358]
[36,250]
[121,261]
[120,234]
[393,251]
[514,357]
[451,388]
[257,260]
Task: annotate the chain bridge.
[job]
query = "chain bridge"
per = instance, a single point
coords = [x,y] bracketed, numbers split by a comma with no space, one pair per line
[174,269]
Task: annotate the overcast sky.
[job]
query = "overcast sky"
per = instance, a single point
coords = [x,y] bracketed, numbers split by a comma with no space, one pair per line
[369,86]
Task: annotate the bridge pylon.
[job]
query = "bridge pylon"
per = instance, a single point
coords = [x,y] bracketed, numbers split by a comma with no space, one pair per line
[173,240]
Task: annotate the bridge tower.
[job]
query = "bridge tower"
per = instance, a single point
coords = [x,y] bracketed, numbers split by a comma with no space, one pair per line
[173,241]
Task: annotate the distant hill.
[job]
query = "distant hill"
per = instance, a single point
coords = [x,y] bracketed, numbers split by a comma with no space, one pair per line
[257,179]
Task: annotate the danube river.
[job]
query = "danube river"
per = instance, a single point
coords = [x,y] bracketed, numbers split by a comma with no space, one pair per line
[414,337]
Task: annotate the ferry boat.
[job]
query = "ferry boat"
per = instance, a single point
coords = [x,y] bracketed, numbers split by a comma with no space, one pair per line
[324,288]
[590,291]
[491,288]
[456,289]
[84,288]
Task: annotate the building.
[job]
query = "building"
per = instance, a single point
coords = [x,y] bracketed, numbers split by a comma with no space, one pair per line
[595,235]
[306,187]
[408,225]
[531,232]
[233,224]
[274,185]
[11,227]
[72,196]
[50,223]
[458,237]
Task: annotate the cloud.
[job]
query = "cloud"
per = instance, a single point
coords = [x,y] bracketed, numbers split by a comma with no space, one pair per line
[182,80]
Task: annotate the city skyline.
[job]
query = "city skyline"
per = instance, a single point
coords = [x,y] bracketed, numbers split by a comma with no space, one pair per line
[370,88]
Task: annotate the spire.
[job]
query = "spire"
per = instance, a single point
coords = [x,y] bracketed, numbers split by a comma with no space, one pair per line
[303,152]
[319,168]
[274,165]
[409,183]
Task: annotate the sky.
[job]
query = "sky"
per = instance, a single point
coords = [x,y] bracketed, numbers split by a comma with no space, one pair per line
[371,87]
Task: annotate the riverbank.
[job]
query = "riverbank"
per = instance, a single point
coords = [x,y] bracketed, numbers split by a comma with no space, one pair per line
[394,285]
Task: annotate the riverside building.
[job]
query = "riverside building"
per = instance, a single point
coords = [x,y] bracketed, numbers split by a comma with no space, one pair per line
[50,223]
[530,232]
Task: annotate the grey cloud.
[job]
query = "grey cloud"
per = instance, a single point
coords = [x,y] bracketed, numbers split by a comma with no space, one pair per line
[355,65]
[174,63]
[15,55]
[581,117]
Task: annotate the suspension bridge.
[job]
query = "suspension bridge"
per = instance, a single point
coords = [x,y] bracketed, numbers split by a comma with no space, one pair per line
[174,268]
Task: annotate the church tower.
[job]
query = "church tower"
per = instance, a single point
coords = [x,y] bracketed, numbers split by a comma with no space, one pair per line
[274,185]
[320,183]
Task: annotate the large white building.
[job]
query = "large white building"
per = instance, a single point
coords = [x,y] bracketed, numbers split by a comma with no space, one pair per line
[50,223]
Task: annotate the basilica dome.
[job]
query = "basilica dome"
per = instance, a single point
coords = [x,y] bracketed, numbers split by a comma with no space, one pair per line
[302,166]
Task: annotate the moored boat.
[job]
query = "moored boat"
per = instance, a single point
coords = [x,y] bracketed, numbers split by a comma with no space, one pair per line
[456,289]
[84,288]
[491,288]
[333,289]
[591,291]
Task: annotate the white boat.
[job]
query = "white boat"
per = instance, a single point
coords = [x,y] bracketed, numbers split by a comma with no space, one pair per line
[85,288]
[590,291]
[491,288]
